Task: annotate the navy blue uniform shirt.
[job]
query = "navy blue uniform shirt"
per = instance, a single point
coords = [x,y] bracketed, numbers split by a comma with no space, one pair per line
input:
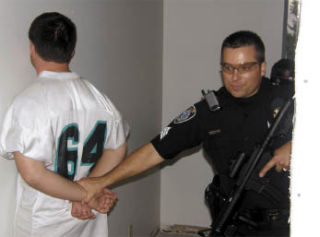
[237,127]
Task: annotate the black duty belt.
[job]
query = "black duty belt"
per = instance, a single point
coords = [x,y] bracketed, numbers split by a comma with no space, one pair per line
[264,217]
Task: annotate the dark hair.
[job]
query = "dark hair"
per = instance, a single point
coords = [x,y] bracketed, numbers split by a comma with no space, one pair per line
[245,38]
[278,72]
[54,37]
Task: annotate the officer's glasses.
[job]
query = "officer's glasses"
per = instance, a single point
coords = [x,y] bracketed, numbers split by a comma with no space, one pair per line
[241,68]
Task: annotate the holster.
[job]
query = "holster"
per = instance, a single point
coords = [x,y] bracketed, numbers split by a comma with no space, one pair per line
[214,197]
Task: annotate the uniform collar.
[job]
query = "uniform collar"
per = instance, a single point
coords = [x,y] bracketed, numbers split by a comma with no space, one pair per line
[262,92]
[58,75]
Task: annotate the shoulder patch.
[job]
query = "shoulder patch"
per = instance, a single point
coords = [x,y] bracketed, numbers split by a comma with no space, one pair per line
[186,115]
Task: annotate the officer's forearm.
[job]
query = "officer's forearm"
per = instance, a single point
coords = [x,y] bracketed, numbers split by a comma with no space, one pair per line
[141,160]
[109,160]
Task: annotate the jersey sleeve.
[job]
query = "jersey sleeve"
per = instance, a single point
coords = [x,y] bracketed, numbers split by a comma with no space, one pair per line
[184,132]
[118,128]
[26,129]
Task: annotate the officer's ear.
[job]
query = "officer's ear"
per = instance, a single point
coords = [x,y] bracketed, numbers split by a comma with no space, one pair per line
[32,48]
[263,69]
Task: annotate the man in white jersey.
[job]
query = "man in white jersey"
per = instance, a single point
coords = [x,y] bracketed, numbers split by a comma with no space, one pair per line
[59,130]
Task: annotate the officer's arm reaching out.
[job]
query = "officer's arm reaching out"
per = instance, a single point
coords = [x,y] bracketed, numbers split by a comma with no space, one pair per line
[141,160]
[280,159]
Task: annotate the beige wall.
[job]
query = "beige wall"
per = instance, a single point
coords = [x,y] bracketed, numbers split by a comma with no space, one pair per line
[305,158]
[120,51]
[193,33]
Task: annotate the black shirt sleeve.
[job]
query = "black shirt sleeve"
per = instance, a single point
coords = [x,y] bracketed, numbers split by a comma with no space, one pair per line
[184,132]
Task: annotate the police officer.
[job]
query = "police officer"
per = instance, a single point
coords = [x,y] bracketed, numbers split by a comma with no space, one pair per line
[249,104]
[282,72]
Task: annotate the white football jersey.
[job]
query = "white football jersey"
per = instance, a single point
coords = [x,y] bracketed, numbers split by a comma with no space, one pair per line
[66,123]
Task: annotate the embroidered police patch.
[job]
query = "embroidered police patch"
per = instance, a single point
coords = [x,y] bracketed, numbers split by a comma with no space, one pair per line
[186,115]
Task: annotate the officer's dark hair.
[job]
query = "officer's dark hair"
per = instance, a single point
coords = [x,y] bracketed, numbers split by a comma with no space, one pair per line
[245,38]
[54,37]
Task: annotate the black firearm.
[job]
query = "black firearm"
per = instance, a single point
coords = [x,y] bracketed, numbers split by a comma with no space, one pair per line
[225,214]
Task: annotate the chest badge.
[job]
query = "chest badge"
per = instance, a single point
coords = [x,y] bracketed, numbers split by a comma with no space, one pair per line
[275,112]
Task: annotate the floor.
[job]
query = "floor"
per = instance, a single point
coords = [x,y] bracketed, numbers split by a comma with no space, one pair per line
[179,231]
[173,235]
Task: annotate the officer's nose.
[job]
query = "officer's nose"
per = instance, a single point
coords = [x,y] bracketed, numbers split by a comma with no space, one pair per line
[235,74]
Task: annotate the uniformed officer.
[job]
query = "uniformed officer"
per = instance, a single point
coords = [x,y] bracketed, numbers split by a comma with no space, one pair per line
[249,103]
[282,72]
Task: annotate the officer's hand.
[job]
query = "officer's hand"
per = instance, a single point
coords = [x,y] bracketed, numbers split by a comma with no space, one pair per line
[104,202]
[280,159]
[93,188]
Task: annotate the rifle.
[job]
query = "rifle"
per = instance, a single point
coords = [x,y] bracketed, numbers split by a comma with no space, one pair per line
[231,201]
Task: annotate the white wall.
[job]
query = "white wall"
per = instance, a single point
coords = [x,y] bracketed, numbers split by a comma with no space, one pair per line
[193,33]
[305,193]
[120,51]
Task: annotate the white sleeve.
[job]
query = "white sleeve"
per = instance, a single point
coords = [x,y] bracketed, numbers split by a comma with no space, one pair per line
[118,133]
[118,128]
[8,137]
[26,129]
